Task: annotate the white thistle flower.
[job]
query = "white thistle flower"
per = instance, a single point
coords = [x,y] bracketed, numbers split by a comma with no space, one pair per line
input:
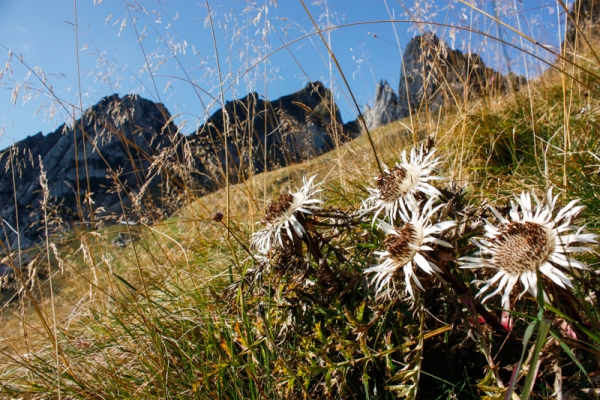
[396,185]
[529,241]
[282,216]
[404,247]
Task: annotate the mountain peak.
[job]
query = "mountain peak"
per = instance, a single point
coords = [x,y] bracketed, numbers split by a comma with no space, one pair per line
[118,136]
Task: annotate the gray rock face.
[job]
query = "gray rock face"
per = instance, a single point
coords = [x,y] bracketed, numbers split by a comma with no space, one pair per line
[386,108]
[118,135]
[125,157]
[434,76]
[583,20]
[263,135]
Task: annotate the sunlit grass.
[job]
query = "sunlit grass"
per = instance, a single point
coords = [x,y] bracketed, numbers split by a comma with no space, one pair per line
[185,309]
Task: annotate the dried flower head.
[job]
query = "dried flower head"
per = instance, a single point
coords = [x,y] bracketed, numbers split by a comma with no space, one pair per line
[402,182]
[218,216]
[527,242]
[283,216]
[404,247]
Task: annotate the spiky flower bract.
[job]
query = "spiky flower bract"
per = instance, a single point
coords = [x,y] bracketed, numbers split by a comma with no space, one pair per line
[404,247]
[528,242]
[283,216]
[402,182]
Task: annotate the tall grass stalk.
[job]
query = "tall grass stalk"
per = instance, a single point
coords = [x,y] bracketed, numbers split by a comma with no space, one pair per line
[187,308]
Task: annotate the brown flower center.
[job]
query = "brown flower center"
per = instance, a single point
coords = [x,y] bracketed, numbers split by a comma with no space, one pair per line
[278,207]
[398,245]
[522,246]
[392,185]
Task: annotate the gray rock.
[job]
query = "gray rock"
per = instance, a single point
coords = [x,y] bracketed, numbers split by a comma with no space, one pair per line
[434,76]
[386,108]
[132,139]
[291,129]
[122,240]
[583,20]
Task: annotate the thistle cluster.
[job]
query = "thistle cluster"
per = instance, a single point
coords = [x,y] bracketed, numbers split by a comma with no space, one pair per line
[420,228]
[325,278]
[406,246]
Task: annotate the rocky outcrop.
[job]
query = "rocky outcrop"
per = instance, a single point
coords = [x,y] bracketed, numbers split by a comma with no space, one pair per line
[385,109]
[260,135]
[432,76]
[94,168]
[582,20]
[124,157]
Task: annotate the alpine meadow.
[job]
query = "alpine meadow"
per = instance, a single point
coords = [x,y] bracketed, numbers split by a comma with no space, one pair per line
[301,199]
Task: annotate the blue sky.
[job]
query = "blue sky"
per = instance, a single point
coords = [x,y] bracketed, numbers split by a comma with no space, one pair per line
[175,60]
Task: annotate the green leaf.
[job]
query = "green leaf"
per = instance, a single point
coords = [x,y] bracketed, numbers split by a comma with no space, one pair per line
[515,375]
[543,329]
[570,354]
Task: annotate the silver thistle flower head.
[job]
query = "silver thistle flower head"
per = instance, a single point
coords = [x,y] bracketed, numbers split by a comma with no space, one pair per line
[282,216]
[405,247]
[529,241]
[402,182]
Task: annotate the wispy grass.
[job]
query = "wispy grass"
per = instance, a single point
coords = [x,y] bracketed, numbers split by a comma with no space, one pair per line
[186,309]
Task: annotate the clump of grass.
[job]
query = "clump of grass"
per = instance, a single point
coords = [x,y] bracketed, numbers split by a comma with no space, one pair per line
[302,320]
[190,308]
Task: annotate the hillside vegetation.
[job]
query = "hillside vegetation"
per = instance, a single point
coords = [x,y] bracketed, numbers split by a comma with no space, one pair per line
[288,285]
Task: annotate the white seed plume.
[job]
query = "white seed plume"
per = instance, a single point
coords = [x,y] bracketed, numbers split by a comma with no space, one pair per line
[530,240]
[282,216]
[405,247]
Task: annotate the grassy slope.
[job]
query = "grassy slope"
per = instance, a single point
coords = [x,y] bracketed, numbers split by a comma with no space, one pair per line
[149,319]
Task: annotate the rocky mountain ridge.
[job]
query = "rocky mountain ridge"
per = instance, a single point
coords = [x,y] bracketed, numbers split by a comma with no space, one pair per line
[93,168]
[263,135]
[432,76]
[125,159]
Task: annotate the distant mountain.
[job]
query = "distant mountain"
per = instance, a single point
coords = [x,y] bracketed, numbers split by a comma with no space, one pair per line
[117,136]
[291,129]
[125,157]
[581,21]
[433,76]
[386,108]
